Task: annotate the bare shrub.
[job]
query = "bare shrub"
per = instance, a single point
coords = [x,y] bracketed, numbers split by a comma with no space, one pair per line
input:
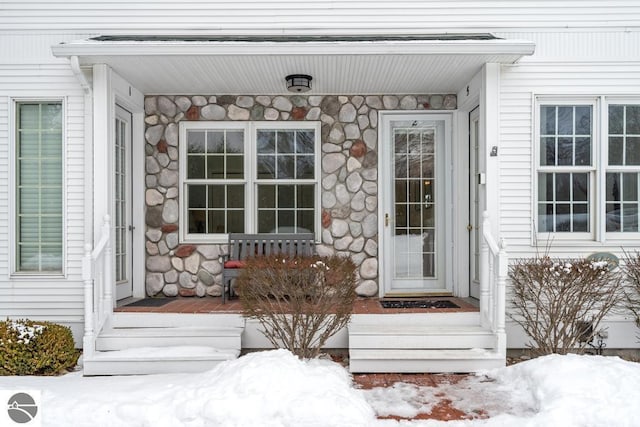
[631,269]
[561,303]
[300,302]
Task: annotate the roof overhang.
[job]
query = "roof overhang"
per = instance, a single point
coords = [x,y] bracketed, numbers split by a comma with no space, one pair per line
[339,65]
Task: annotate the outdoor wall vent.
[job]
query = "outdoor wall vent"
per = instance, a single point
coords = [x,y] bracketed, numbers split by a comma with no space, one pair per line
[298,83]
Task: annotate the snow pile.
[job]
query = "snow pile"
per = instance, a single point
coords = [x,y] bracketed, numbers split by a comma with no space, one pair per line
[271,388]
[274,388]
[575,391]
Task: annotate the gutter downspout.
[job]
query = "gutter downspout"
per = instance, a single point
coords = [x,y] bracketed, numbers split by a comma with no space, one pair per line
[88,171]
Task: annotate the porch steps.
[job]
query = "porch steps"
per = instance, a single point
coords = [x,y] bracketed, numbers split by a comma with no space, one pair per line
[152,343]
[421,342]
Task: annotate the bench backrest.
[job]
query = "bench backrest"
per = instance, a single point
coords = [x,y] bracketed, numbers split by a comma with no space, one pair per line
[243,246]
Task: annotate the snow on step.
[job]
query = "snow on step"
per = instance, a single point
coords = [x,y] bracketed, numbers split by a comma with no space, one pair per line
[157,360]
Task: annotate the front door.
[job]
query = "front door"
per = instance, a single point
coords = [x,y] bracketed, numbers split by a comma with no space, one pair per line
[122,208]
[415,193]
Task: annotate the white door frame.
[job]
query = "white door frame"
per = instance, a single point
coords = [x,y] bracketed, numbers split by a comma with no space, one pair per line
[124,286]
[385,191]
[476,201]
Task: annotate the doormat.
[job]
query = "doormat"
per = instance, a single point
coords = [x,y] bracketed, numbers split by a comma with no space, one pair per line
[150,302]
[422,303]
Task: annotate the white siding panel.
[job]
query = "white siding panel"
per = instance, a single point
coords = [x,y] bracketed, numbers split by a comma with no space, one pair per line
[519,83]
[56,299]
[295,16]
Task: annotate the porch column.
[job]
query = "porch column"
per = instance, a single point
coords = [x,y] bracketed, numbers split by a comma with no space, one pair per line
[490,100]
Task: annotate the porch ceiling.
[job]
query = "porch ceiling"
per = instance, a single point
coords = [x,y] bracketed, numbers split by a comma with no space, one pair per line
[348,65]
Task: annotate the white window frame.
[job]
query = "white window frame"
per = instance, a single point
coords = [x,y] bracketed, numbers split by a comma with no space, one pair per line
[250,180]
[598,234]
[621,236]
[15,273]
[592,170]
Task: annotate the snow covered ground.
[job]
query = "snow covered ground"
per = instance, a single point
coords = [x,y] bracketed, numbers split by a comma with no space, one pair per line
[274,388]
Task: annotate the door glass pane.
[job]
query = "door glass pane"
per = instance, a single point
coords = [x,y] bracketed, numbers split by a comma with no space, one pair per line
[415,189]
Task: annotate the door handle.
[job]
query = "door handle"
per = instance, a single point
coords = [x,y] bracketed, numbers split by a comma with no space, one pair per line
[386,220]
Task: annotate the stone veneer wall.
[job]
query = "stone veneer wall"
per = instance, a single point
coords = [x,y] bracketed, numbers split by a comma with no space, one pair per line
[349,180]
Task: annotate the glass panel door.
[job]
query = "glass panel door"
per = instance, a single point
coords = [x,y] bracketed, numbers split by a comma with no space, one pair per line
[415,224]
[122,208]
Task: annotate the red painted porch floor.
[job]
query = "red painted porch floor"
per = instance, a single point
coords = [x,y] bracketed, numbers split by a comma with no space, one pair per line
[214,305]
[444,410]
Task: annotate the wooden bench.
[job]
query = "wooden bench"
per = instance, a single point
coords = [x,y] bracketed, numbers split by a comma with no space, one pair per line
[243,246]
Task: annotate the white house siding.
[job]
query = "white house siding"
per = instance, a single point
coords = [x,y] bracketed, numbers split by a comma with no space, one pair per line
[355,16]
[27,71]
[583,47]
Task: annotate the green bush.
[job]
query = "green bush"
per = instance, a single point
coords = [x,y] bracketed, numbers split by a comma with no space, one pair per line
[300,302]
[35,348]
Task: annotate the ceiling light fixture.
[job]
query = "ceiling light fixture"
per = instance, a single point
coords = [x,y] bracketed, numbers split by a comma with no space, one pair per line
[298,83]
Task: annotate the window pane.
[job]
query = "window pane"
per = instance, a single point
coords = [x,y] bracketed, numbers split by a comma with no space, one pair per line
[583,120]
[266,221]
[583,151]
[580,217]
[195,167]
[563,217]
[630,187]
[565,151]
[616,146]
[613,217]
[305,167]
[580,187]
[306,196]
[235,196]
[633,120]
[266,167]
[217,196]
[305,142]
[565,120]
[563,186]
[235,142]
[215,167]
[400,190]
[195,142]
[548,120]
[613,187]
[235,167]
[216,221]
[633,151]
[616,119]
[197,196]
[215,142]
[39,187]
[286,167]
[286,221]
[400,142]
[286,196]
[630,217]
[266,196]
[306,222]
[197,221]
[235,221]
[266,142]
[548,151]
[285,141]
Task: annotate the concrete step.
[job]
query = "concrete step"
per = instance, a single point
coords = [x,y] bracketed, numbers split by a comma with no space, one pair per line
[363,336]
[164,320]
[125,338]
[417,361]
[156,360]
[419,319]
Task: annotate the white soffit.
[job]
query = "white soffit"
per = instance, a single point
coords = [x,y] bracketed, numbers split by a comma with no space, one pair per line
[338,65]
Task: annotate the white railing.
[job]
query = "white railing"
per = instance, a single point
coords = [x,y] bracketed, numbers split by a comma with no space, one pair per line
[97,278]
[494,263]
